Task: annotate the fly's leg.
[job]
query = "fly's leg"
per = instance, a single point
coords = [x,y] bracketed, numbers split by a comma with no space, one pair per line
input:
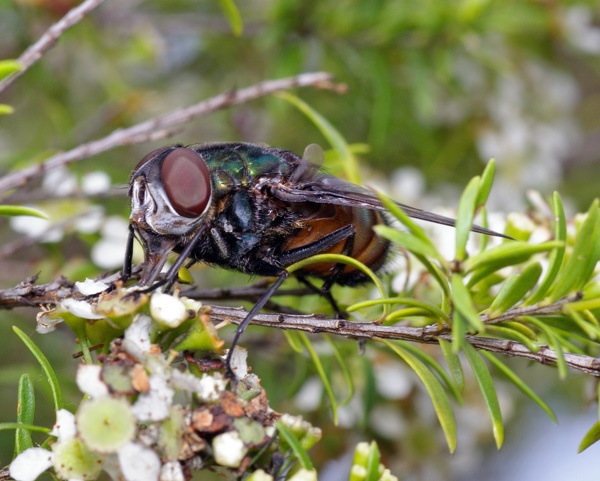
[345,233]
[244,324]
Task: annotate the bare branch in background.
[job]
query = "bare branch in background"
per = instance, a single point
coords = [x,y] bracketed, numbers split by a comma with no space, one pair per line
[146,131]
[49,39]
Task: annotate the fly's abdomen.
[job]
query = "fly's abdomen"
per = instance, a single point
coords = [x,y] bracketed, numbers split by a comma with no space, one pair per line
[366,246]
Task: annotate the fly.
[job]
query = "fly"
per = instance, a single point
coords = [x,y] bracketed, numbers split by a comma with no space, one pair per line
[257,210]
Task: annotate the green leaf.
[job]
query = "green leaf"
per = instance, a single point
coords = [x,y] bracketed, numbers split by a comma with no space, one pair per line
[517,381]
[12,210]
[426,306]
[345,371]
[373,463]
[322,374]
[406,220]
[591,437]
[233,16]
[486,386]
[342,259]
[29,427]
[6,109]
[556,256]
[485,186]
[580,265]
[515,288]
[294,341]
[409,242]
[8,67]
[554,341]
[465,216]
[453,362]
[508,333]
[507,255]
[464,304]
[295,444]
[439,370]
[25,414]
[438,396]
[46,367]
[335,139]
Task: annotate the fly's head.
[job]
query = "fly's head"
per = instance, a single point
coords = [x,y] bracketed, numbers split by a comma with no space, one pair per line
[170,191]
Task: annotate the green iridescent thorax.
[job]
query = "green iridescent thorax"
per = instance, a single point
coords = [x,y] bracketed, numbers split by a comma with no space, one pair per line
[244,165]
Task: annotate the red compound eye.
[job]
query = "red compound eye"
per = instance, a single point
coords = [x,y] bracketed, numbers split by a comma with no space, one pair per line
[150,156]
[186,181]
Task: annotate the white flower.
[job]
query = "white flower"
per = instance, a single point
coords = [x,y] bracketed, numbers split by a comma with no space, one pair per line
[65,427]
[28,465]
[171,471]
[81,309]
[90,287]
[229,449]
[95,182]
[167,309]
[89,381]
[138,463]
[137,336]
[154,405]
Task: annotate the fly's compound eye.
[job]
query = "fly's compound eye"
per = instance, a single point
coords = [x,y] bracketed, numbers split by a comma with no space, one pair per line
[155,153]
[186,181]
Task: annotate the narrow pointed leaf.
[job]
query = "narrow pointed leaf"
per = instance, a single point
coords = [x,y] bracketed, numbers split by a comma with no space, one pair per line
[6,109]
[322,374]
[488,391]
[295,444]
[515,288]
[507,255]
[345,371]
[556,256]
[438,396]
[409,242]
[485,186]
[507,333]
[436,311]
[591,437]
[517,381]
[8,67]
[46,367]
[433,364]
[233,16]
[453,362]
[464,304]
[25,414]
[335,139]
[464,217]
[404,219]
[582,261]
[12,210]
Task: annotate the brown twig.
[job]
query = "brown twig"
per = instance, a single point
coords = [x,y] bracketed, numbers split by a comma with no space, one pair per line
[145,131]
[28,294]
[49,38]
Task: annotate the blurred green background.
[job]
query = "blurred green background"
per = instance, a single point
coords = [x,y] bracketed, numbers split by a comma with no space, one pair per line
[435,89]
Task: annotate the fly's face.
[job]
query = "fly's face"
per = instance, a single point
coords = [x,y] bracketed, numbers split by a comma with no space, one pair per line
[170,191]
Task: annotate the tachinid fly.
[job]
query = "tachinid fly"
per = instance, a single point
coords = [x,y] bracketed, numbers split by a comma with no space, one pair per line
[254,209]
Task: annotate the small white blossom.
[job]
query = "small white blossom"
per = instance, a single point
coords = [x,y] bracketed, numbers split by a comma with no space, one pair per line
[138,463]
[89,381]
[167,309]
[137,336]
[154,405]
[238,363]
[90,287]
[171,471]
[210,387]
[229,449]
[32,462]
[95,182]
[81,309]
[64,428]
[304,475]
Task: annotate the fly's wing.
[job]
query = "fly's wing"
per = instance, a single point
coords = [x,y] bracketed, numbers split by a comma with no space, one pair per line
[321,188]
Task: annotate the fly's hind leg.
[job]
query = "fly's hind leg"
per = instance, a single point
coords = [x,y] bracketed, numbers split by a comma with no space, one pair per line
[346,234]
